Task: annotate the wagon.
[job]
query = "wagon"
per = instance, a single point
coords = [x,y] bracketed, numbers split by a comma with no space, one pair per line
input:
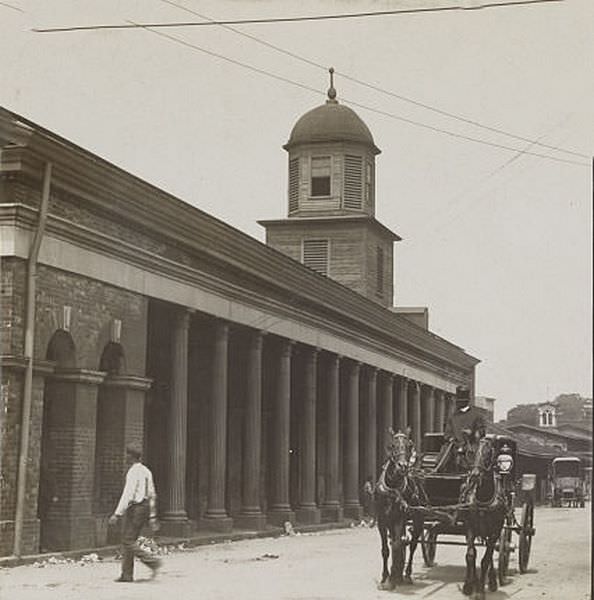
[443,492]
[567,479]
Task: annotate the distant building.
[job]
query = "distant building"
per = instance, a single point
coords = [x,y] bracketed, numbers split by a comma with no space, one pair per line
[487,406]
[567,412]
[562,426]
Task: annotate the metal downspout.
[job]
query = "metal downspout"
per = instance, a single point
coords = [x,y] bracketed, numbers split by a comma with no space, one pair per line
[28,354]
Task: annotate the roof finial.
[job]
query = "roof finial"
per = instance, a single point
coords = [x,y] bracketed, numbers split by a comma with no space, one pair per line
[331,90]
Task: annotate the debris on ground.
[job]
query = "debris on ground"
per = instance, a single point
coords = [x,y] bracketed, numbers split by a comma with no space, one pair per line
[86,559]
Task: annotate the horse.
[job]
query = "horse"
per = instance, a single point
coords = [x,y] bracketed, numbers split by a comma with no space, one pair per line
[483,513]
[398,488]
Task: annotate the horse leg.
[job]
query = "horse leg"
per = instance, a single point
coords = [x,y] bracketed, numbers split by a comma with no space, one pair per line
[383,531]
[470,581]
[486,567]
[417,529]
[492,573]
[398,529]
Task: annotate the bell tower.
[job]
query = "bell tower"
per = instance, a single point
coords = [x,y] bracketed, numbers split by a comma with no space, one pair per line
[331,225]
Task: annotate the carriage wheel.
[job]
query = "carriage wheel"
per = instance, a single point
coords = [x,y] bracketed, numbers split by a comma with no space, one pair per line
[504,552]
[429,547]
[526,533]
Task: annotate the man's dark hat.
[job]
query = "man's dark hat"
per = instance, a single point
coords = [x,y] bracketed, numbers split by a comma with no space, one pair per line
[134,450]
[462,393]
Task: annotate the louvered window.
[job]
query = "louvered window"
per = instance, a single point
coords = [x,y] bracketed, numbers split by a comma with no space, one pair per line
[368,182]
[380,270]
[353,181]
[293,184]
[320,176]
[315,255]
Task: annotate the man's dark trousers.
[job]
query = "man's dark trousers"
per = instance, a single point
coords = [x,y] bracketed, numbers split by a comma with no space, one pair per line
[135,518]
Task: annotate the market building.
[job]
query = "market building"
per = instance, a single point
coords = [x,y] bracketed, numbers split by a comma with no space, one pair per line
[260,379]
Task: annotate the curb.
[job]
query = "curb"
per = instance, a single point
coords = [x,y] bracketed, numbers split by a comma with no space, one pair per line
[204,539]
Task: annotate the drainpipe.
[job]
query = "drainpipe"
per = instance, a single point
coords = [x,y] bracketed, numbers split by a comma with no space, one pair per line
[28,353]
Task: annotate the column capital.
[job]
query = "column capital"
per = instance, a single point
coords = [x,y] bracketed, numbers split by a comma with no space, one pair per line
[287,346]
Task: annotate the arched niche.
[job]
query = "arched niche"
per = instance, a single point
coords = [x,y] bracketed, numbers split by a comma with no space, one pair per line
[61,350]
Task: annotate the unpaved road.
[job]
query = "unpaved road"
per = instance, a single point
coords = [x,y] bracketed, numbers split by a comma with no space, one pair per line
[333,565]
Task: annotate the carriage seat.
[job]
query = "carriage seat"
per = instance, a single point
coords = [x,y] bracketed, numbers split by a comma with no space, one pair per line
[438,454]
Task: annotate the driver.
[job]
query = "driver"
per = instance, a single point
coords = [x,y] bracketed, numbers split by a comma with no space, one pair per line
[465,425]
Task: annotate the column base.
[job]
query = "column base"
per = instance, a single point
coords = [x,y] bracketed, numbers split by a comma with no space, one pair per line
[67,533]
[222,524]
[279,516]
[308,515]
[332,514]
[177,528]
[353,512]
[251,521]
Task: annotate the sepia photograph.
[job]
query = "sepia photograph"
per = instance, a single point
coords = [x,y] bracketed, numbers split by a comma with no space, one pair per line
[296,299]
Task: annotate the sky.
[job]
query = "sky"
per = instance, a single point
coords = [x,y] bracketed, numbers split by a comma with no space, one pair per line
[496,242]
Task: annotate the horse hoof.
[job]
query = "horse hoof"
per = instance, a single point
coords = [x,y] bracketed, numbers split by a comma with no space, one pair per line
[386,586]
[493,585]
[408,579]
[467,589]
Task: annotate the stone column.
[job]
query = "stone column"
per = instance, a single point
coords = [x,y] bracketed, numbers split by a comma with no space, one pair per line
[387,415]
[450,406]
[216,514]
[403,417]
[308,512]
[415,417]
[251,516]
[331,509]
[441,411]
[280,509]
[429,402]
[352,507]
[174,517]
[370,437]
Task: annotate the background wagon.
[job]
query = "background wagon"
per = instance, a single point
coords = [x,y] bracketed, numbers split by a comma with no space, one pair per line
[567,482]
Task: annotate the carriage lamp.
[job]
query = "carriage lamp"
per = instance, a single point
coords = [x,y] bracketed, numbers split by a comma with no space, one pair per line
[505,463]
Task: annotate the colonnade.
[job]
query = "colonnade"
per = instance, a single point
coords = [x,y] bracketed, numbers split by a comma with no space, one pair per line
[359,402]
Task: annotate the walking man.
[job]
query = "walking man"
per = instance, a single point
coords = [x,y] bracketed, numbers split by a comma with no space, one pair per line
[138,506]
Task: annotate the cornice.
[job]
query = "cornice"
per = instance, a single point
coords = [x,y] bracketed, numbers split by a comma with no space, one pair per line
[362,331]
[73,375]
[130,382]
[126,198]
[333,220]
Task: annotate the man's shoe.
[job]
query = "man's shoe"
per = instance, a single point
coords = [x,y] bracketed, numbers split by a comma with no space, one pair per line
[124,580]
[154,568]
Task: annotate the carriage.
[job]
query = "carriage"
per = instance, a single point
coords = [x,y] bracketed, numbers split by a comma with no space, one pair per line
[442,486]
[567,482]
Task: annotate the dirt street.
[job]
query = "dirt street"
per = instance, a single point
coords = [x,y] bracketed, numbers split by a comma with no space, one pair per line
[333,565]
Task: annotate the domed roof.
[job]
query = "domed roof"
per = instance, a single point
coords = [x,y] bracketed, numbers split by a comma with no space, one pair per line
[331,122]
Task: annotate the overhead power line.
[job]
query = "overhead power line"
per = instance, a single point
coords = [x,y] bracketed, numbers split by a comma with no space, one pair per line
[12,7]
[299,19]
[353,103]
[377,88]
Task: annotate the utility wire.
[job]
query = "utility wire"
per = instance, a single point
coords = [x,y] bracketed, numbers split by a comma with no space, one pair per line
[427,228]
[375,87]
[11,6]
[332,17]
[351,102]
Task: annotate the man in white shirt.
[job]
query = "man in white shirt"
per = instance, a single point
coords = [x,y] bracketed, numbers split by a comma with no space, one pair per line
[138,505]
